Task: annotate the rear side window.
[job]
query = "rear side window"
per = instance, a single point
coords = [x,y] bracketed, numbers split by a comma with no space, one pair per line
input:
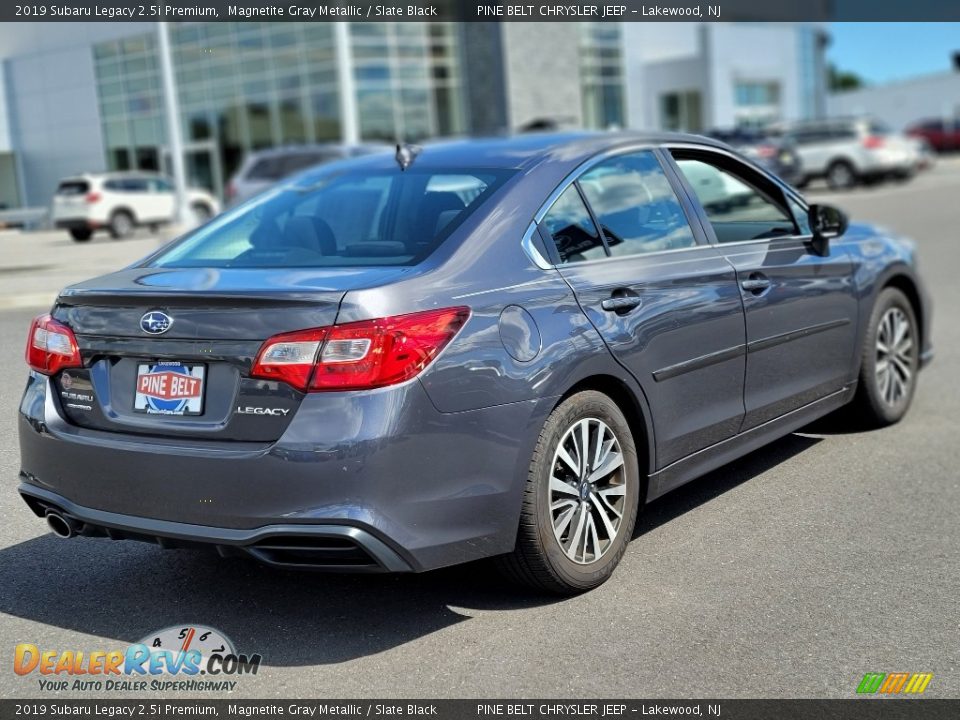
[340,219]
[296,163]
[73,187]
[569,224]
[270,168]
[635,205]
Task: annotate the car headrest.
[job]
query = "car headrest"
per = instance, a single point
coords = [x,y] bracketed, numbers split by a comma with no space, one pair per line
[376,248]
[300,231]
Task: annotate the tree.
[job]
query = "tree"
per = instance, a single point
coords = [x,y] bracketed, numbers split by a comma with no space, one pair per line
[843,80]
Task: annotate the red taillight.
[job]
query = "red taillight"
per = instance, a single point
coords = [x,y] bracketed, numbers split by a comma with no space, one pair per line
[93,197]
[872,142]
[360,355]
[231,191]
[51,346]
[766,151]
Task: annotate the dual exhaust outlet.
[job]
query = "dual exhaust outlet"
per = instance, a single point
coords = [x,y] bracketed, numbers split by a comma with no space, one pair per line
[63,526]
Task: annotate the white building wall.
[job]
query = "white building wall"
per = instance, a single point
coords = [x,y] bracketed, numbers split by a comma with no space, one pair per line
[710,58]
[5,145]
[659,44]
[902,103]
[52,113]
[752,53]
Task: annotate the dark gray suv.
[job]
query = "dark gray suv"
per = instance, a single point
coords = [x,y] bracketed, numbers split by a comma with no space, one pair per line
[487,348]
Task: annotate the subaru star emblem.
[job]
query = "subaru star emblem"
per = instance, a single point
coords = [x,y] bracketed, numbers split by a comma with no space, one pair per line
[156,322]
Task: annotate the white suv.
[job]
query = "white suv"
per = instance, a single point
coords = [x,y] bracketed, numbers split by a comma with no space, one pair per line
[119,202]
[848,151]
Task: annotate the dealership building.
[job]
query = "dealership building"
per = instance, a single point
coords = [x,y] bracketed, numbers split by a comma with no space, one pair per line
[88,96]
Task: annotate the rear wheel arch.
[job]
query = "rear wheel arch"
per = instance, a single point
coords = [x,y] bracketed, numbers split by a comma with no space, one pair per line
[634,409]
[126,210]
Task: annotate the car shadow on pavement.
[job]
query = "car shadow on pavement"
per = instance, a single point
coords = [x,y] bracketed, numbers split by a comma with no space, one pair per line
[716,483]
[125,590]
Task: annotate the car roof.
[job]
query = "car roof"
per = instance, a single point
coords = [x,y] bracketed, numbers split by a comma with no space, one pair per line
[526,150]
[311,148]
[113,175]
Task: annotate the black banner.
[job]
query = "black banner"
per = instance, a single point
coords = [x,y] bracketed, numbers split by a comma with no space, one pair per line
[853,709]
[470,11]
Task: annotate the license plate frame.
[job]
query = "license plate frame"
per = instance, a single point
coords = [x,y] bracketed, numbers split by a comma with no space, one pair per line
[174,388]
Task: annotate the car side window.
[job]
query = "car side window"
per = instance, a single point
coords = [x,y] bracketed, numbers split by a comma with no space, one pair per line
[573,231]
[636,206]
[739,207]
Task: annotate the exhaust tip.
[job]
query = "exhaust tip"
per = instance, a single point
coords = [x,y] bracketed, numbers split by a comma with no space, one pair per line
[60,526]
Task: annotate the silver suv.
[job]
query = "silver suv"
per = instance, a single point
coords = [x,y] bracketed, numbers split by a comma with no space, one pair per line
[849,151]
[263,168]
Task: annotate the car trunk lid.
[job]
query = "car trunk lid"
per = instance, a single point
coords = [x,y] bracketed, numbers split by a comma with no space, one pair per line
[188,375]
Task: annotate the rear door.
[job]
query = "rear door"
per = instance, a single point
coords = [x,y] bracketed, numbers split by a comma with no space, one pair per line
[666,303]
[801,306]
[162,198]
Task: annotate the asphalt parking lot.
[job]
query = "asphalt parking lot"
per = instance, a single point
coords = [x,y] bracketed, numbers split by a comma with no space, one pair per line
[789,573]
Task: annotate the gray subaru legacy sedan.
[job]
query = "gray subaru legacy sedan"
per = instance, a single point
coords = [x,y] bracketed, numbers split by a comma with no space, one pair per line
[479,348]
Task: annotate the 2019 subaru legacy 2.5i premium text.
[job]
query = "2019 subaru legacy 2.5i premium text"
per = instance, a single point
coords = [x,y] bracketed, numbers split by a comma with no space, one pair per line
[490,348]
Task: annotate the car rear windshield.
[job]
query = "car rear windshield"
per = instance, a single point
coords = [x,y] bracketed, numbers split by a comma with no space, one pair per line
[73,187]
[340,218]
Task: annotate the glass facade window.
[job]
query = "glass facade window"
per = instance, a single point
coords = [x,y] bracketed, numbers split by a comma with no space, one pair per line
[757,103]
[602,75]
[247,86]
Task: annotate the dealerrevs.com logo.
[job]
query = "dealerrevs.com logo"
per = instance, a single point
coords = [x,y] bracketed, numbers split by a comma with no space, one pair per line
[178,658]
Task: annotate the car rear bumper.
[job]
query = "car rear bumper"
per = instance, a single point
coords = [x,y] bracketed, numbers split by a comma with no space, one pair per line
[333,548]
[435,489]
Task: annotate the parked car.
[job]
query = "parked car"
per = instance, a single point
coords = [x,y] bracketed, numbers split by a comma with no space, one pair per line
[943,136]
[119,202]
[773,153]
[499,348]
[849,151]
[923,155]
[262,169]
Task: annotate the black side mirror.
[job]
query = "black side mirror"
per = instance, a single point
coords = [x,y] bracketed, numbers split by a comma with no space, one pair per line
[826,223]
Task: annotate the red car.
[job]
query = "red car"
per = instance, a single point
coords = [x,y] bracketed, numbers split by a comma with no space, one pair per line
[941,135]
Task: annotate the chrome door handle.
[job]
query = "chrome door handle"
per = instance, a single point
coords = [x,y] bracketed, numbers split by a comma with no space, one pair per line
[622,303]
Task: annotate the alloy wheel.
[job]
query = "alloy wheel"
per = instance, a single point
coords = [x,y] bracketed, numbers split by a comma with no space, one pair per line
[895,347]
[588,491]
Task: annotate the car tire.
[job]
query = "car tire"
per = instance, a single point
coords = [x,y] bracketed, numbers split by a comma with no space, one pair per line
[201,212]
[121,225]
[564,541]
[841,175]
[81,234]
[889,363]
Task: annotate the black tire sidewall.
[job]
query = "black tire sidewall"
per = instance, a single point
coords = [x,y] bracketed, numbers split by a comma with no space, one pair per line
[202,212]
[579,406]
[885,414]
[841,186]
[121,233]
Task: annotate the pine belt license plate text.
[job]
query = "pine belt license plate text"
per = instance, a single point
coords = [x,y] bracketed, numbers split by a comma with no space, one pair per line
[169,388]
